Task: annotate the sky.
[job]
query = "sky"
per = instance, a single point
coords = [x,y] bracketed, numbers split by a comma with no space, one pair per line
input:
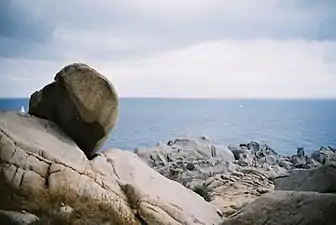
[174,48]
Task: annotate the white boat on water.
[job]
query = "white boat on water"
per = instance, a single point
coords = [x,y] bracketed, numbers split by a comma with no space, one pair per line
[241,106]
[22,110]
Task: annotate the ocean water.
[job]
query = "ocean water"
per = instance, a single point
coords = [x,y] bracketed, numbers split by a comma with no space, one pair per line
[282,124]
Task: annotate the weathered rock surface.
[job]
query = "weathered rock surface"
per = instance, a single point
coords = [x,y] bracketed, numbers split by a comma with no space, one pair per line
[262,156]
[321,179]
[193,163]
[80,99]
[156,198]
[231,192]
[16,218]
[235,180]
[35,153]
[287,208]
[324,155]
[186,160]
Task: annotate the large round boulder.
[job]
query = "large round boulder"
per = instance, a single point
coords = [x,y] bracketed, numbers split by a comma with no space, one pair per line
[82,102]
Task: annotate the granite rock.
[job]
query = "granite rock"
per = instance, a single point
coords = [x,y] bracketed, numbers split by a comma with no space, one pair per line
[80,99]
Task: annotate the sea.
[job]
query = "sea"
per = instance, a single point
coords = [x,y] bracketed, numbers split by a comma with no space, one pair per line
[284,125]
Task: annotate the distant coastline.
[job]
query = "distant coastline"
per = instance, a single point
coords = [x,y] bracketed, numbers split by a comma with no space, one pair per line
[206,98]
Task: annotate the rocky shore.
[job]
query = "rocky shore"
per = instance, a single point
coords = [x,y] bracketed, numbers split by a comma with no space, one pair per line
[52,171]
[236,175]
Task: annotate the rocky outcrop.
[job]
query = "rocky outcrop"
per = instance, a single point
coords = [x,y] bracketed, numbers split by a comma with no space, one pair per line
[35,153]
[231,180]
[80,99]
[258,155]
[186,160]
[231,192]
[284,208]
[193,163]
[321,179]
[157,199]
[324,155]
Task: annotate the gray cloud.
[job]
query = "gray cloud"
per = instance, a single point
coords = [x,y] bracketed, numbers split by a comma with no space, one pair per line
[35,30]
[23,32]
[236,48]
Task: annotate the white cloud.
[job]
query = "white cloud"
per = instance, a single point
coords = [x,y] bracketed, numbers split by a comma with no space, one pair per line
[258,68]
[238,69]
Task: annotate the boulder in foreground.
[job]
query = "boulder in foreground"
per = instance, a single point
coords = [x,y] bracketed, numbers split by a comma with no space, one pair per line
[82,102]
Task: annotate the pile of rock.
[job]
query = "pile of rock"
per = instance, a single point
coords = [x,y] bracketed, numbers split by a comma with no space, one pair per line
[186,160]
[261,155]
[302,196]
[238,175]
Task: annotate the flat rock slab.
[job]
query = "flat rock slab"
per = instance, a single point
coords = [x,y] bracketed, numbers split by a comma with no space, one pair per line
[287,208]
[321,179]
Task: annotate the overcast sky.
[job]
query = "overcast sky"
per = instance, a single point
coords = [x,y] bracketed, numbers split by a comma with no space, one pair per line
[174,48]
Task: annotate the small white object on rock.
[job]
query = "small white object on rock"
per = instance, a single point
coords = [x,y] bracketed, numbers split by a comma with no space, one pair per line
[22,110]
[65,209]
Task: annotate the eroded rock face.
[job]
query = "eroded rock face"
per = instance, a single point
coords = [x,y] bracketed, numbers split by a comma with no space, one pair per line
[236,180]
[324,155]
[233,191]
[157,199]
[185,160]
[35,153]
[282,207]
[80,99]
[192,162]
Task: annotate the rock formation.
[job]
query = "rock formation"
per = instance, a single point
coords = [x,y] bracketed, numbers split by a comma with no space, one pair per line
[35,153]
[310,199]
[82,102]
[237,178]
[186,160]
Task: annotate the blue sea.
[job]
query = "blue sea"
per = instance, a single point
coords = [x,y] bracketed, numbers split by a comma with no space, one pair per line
[282,124]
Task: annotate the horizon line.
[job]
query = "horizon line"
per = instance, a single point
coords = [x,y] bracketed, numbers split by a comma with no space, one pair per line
[207,98]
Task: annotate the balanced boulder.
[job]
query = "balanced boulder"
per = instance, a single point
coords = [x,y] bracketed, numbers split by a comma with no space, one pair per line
[82,102]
